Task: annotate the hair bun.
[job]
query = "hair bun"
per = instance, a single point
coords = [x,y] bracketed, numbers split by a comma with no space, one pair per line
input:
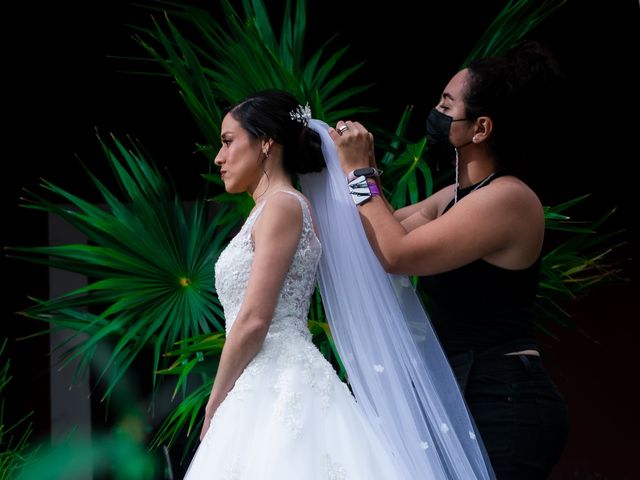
[532,64]
[310,152]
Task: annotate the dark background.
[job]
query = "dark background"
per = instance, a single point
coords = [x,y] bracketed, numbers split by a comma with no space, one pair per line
[60,85]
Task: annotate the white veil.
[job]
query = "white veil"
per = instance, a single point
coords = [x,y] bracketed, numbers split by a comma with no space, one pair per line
[396,367]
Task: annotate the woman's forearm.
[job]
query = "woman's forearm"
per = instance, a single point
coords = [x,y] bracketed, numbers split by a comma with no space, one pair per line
[383,231]
[405,212]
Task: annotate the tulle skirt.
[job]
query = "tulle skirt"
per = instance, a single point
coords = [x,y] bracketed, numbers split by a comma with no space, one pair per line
[289,417]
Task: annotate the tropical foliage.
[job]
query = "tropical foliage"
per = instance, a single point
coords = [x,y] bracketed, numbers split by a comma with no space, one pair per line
[149,265]
[114,455]
[150,257]
[231,60]
[117,450]
[14,439]
[577,263]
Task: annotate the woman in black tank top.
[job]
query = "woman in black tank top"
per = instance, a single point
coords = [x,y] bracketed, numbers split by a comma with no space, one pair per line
[477,245]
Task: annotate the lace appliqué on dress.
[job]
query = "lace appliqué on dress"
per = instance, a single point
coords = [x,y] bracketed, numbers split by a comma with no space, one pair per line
[335,471]
[233,268]
[232,472]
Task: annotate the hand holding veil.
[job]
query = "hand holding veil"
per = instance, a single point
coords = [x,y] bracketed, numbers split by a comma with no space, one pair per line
[396,367]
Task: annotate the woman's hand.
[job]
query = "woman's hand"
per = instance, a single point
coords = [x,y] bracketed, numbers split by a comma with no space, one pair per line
[205,426]
[354,144]
[209,411]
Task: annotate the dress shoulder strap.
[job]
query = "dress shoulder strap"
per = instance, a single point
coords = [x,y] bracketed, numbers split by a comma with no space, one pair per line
[303,201]
[306,213]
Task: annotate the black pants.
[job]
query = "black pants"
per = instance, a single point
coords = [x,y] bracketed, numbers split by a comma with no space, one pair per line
[521,416]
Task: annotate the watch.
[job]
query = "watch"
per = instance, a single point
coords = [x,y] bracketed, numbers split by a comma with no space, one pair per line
[364,172]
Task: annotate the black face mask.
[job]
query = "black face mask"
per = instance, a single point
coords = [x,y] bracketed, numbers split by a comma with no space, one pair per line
[438,128]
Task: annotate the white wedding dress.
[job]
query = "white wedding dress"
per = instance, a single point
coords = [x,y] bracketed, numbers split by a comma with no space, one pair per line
[288,417]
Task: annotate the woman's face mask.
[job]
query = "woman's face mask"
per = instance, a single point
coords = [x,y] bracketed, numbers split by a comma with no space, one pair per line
[439,126]
[438,129]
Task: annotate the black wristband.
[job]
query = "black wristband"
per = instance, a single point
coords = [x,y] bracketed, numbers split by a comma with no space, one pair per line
[367,172]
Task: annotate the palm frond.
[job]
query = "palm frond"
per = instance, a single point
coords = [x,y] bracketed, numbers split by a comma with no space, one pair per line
[587,257]
[15,438]
[149,265]
[117,454]
[231,61]
[187,413]
[404,174]
[513,23]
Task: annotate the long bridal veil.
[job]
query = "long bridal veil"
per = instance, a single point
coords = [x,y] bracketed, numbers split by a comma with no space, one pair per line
[395,365]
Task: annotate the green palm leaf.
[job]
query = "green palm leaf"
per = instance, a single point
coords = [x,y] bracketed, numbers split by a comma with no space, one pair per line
[516,19]
[188,412]
[230,61]
[15,438]
[404,173]
[579,262]
[149,264]
[196,355]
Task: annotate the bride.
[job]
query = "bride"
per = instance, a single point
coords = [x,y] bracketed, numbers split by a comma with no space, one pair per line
[277,409]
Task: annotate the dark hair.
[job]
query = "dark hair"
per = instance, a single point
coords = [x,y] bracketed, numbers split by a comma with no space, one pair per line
[515,91]
[267,114]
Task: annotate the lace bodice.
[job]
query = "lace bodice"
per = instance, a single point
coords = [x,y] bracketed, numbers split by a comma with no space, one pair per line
[233,268]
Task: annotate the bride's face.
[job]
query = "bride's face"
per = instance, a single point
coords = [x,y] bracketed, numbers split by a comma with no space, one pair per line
[238,158]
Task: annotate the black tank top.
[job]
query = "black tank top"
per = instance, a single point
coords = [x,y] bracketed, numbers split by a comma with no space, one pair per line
[482,307]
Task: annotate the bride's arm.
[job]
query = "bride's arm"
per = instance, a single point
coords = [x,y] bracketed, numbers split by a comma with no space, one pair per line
[276,234]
